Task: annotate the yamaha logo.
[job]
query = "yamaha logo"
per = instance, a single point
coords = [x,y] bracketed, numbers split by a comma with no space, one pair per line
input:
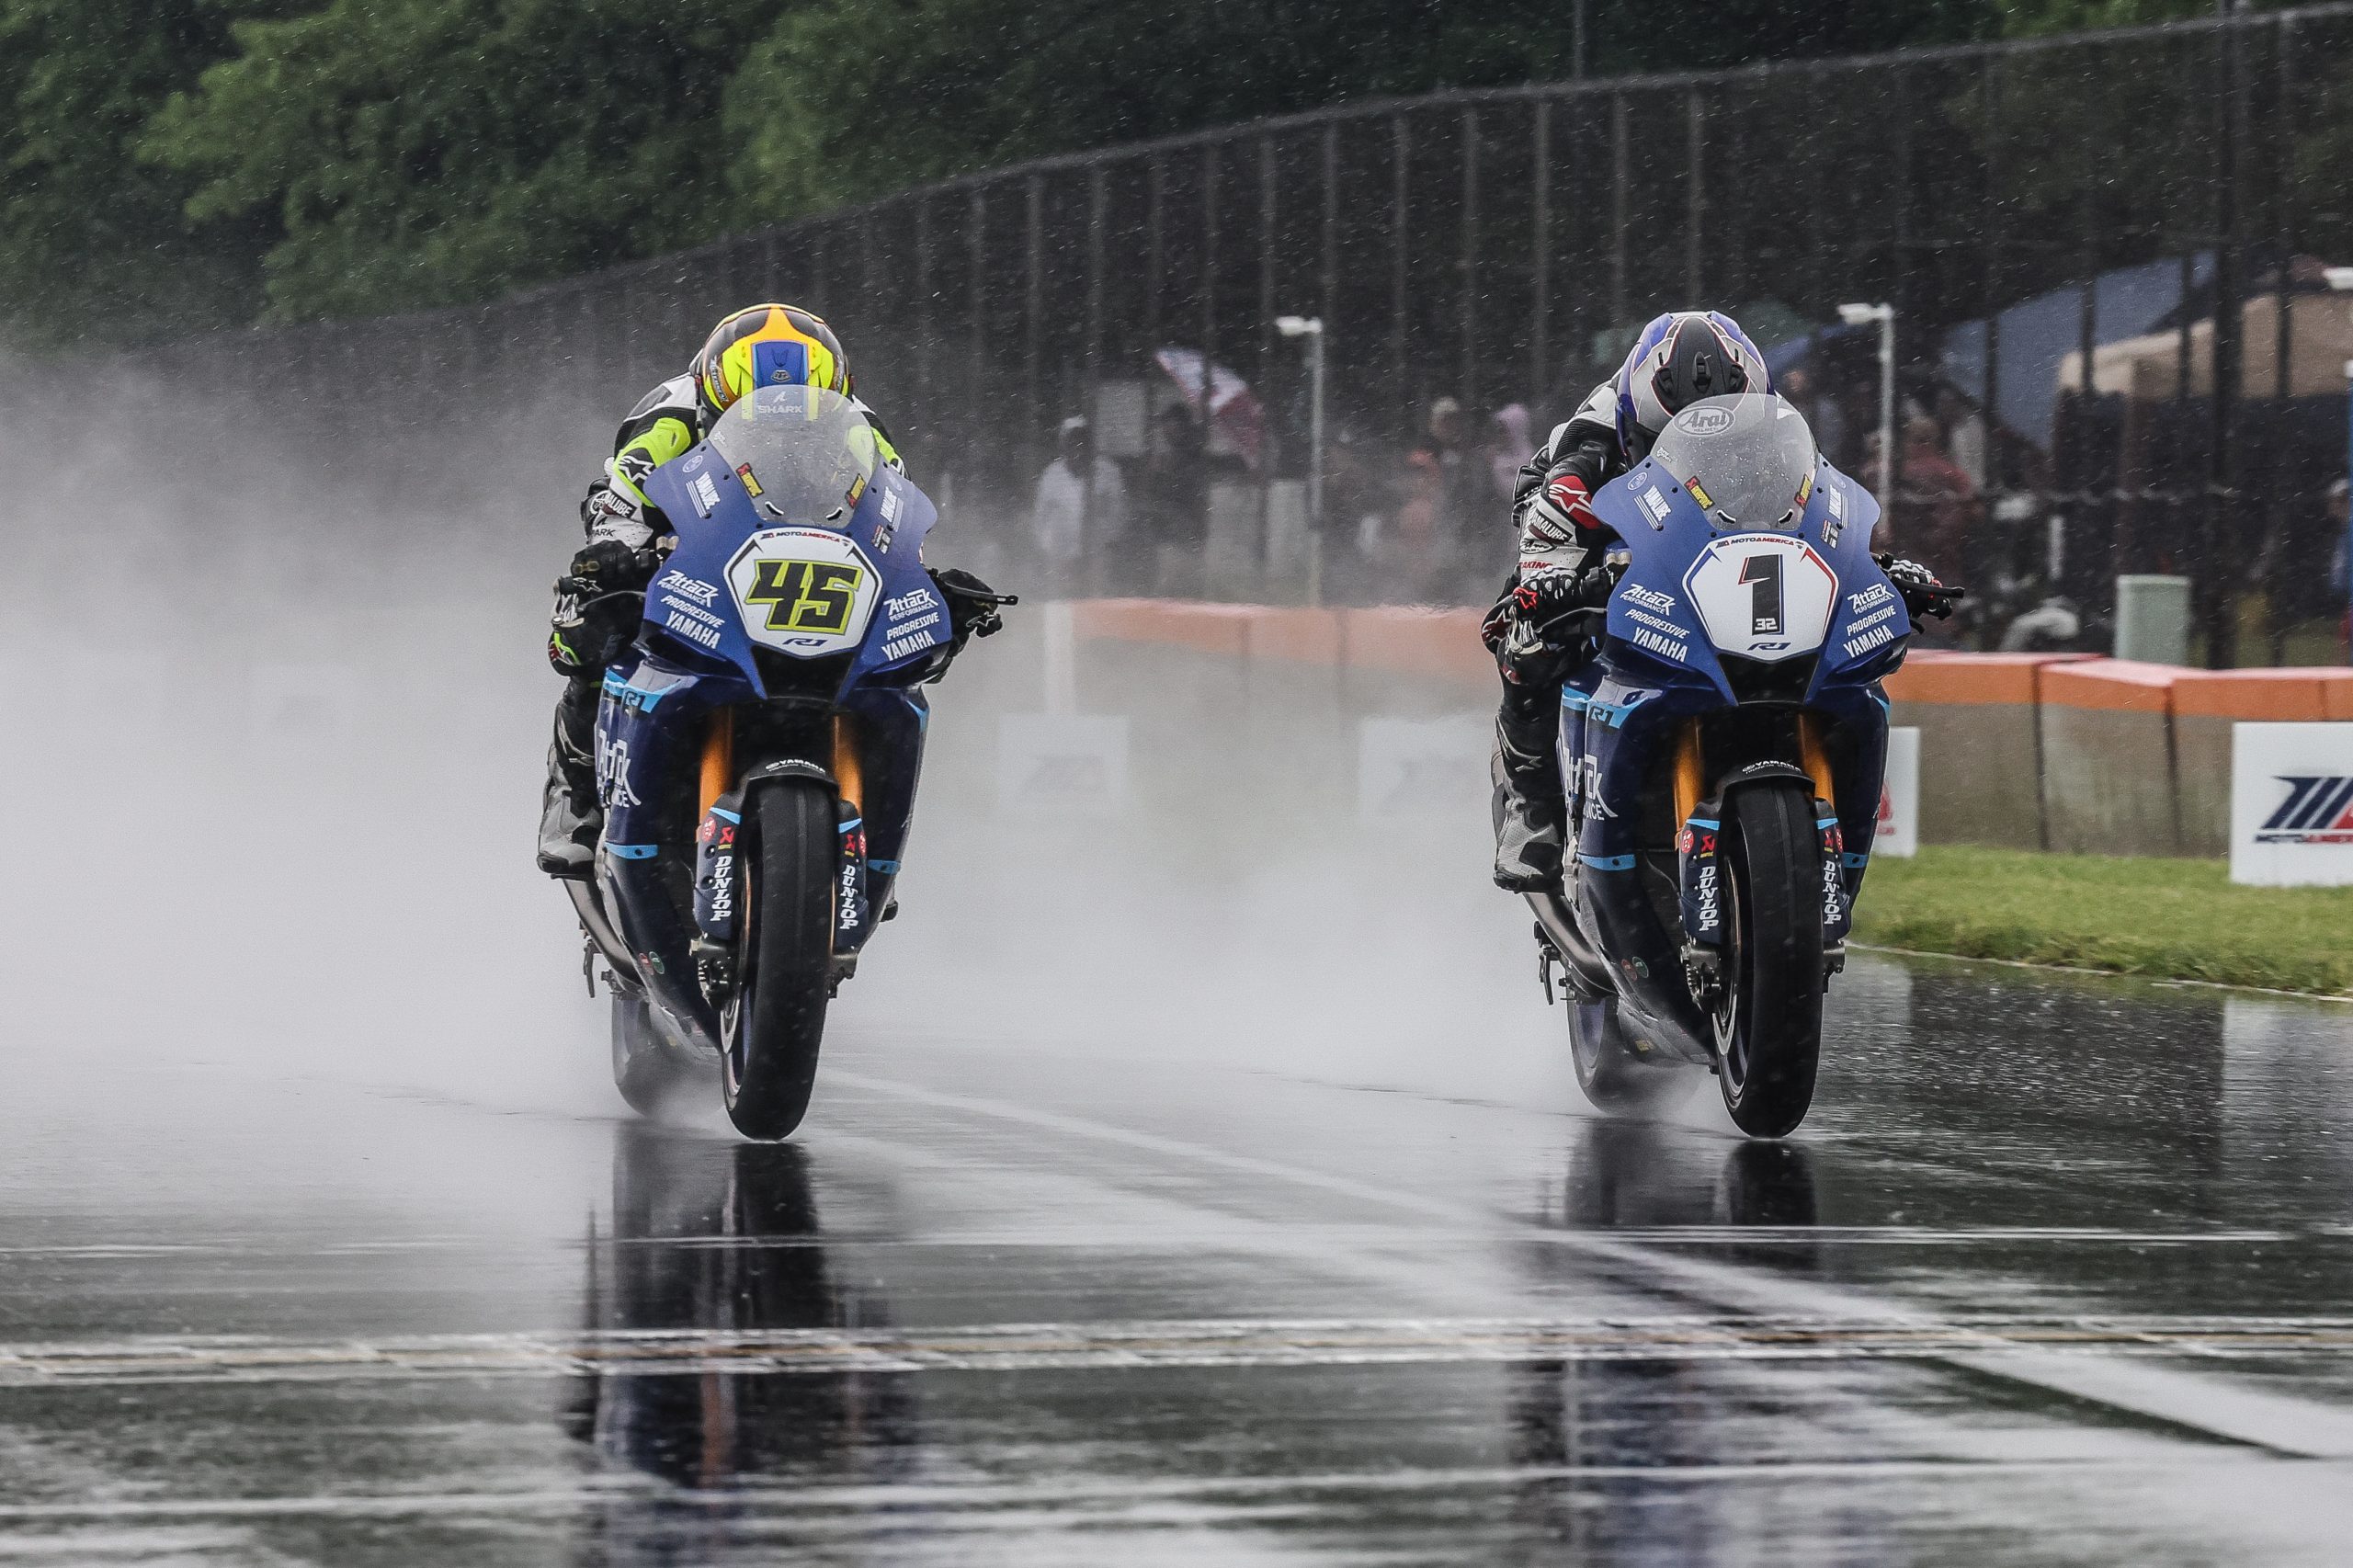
[1704,421]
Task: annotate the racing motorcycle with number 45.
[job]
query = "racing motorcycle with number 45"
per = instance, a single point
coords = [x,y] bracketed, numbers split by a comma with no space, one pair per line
[793,618]
[1722,757]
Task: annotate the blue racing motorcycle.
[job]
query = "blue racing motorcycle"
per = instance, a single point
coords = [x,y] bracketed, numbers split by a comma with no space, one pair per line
[1722,759]
[762,743]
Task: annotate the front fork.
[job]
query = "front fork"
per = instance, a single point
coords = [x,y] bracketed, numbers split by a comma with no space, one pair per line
[1699,866]
[718,844]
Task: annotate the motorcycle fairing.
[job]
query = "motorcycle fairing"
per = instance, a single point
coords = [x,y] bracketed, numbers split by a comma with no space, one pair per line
[691,609]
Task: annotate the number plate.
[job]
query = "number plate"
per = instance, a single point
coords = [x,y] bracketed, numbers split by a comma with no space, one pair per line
[1765,597]
[808,592]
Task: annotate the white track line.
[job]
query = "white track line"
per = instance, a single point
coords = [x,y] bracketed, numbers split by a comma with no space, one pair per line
[2278,1422]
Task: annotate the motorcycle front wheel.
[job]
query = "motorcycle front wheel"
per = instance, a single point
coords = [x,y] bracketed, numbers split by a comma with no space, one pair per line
[773,1022]
[1769,1026]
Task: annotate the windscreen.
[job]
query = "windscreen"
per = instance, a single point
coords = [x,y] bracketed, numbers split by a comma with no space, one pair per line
[1748,460]
[805,454]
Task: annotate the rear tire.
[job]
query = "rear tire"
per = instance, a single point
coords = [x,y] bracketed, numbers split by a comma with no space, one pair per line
[1614,1076]
[772,1025]
[648,1070]
[1769,1028]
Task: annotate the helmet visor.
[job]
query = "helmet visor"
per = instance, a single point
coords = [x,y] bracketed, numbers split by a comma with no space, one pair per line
[805,455]
[1747,460]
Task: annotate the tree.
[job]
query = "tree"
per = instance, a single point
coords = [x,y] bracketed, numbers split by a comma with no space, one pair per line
[417,153]
[93,244]
[844,98]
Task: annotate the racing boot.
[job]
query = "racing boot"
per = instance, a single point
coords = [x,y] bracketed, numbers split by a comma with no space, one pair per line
[571,820]
[890,726]
[1530,816]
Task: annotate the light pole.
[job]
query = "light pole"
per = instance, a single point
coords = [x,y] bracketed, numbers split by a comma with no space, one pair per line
[2341,279]
[1312,329]
[1884,315]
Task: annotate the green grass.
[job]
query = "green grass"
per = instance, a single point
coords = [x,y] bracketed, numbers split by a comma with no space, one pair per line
[2181,919]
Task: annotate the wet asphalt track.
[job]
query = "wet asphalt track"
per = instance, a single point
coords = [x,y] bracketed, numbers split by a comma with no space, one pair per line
[2071,1290]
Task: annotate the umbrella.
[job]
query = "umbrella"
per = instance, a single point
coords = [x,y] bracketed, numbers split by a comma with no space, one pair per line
[1234,411]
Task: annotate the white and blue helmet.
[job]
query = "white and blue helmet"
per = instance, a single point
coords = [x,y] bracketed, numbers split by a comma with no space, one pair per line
[1679,359]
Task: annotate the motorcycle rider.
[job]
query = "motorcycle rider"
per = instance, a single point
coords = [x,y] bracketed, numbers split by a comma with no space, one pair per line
[1677,360]
[599,599]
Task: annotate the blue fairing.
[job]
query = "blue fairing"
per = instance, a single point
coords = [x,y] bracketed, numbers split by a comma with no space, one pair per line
[887,529]
[1664,532]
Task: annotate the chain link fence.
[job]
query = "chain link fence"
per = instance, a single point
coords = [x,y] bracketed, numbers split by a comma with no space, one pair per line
[2118,347]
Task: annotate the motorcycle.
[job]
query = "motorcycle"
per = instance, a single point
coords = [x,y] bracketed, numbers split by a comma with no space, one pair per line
[1722,757]
[789,624]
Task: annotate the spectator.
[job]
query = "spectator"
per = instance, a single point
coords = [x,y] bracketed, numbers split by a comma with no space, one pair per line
[1074,518]
[1508,447]
[1822,412]
[1965,429]
[1935,503]
[1174,502]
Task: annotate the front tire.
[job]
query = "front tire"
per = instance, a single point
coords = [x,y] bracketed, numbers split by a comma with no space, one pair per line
[1769,1028]
[772,1024]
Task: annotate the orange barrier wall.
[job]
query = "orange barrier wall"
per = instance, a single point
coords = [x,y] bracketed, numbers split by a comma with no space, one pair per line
[1980,773]
[2062,750]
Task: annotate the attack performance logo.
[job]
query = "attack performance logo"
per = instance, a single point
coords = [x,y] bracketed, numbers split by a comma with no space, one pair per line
[2318,810]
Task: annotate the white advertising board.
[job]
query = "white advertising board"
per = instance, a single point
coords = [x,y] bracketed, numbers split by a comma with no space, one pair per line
[1064,764]
[1899,797]
[2291,804]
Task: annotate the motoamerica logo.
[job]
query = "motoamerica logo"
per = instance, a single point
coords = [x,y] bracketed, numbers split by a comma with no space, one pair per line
[2318,810]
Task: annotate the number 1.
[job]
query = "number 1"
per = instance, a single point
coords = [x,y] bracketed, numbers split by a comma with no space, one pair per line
[1765,602]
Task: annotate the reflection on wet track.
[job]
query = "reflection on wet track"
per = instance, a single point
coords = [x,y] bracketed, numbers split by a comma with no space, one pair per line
[2069,1289]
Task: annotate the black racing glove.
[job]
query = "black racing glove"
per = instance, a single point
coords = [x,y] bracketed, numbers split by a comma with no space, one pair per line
[972,606]
[1922,594]
[599,603]
[1541,616]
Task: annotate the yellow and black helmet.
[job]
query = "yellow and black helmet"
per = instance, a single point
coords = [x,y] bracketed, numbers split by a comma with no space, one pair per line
[769,345]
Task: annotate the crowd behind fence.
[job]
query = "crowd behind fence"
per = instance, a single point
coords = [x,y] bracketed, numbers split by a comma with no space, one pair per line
[2106,256]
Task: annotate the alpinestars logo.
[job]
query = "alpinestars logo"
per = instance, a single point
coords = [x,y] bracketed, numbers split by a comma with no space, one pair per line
[2318,810]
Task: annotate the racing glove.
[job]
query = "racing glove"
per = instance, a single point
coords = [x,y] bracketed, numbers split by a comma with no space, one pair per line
[599,603]
[1922,594]
[1540,616]
[972,607]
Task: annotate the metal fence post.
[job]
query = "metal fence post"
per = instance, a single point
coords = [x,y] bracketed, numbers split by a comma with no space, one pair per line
[1467,265]
[927,330]
[1695,196]
[1208,280]
[2230,328]
[1097,208]
[1539,249]
[1400,150]
[1156,260]
[1621,185]
[1033,305]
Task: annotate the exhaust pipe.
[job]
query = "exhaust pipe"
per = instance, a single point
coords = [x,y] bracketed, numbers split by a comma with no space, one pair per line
[593,920]
[1559,924]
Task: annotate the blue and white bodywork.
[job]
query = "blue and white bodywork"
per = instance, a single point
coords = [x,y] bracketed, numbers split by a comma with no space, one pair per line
[1772,638]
